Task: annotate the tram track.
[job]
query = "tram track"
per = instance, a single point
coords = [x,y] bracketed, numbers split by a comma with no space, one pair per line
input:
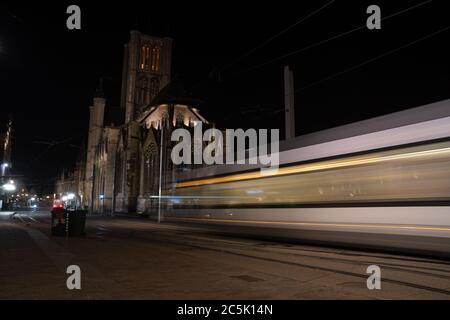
[403,271]
[243,250]
[318,268]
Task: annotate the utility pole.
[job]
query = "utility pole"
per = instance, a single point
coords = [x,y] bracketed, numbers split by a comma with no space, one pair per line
[289,106]
[160,170]
[113,196]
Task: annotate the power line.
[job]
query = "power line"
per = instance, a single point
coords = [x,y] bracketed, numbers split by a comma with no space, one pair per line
[373,59]
[318,43]
[275,36]
[50,145]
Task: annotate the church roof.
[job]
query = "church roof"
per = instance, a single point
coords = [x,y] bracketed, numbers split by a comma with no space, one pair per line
[174,93]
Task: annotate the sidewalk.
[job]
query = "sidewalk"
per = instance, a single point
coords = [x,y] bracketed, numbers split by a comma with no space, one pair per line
[139,259]
[33,266]
[25,271]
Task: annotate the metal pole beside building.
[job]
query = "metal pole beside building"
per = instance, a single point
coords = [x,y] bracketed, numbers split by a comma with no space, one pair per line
[160,172]
[289,107]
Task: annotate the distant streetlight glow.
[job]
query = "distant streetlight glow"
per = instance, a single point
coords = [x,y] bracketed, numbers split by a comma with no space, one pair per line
[9,187]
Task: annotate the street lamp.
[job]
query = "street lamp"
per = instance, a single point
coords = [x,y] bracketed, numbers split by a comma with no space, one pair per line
[4,166]
[7,187]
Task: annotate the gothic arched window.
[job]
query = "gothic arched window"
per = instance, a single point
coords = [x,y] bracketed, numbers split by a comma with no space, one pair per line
[150,168]
[142,95]
[146,57]
[120,171]
[156,53]
[179,119]
[146,91]
[154,87]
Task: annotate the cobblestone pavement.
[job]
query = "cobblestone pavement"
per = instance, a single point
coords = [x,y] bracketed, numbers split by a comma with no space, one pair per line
[128,258]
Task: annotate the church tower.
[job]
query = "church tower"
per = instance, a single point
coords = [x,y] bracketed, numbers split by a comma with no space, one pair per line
[146,69]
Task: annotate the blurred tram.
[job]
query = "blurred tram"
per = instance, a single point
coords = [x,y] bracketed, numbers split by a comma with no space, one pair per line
[382,182]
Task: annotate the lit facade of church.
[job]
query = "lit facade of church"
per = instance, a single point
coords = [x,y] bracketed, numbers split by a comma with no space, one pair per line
[126,145]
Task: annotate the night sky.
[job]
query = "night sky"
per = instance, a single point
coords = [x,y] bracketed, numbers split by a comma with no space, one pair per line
[48,74]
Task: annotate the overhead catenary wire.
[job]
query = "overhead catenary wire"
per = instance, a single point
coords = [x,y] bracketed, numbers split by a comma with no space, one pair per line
[385,54]
[318,43]
[264,43]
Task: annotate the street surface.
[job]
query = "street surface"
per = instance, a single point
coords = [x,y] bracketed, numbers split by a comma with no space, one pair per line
[134,258]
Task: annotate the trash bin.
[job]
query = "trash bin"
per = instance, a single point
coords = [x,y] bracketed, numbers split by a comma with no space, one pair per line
[68,223]
[77,222]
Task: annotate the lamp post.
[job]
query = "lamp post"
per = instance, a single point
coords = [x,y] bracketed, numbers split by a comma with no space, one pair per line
[160,173]
[4,166]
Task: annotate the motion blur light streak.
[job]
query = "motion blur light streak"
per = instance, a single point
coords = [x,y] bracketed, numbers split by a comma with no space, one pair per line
[337,225]
[419,173]
[314,167]
[347,198]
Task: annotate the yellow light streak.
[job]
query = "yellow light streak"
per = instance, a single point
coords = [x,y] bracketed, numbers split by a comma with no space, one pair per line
[319,224]
[324,165]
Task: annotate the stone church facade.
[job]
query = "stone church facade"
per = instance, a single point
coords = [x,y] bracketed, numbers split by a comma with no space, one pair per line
[128,148]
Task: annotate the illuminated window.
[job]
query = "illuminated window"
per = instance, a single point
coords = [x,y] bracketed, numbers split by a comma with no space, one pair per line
[145,57]
[155,58]
[150,58]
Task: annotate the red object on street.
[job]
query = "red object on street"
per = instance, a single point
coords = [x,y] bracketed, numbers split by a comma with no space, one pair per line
[58,204]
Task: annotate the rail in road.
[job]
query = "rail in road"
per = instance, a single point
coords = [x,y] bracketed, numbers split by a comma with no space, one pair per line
[425,275]
[430,275]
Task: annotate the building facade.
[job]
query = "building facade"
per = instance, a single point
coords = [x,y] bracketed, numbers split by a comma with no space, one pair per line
[128,148]
[70,185]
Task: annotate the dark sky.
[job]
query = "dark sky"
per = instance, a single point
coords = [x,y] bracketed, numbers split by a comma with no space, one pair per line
[48,74]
